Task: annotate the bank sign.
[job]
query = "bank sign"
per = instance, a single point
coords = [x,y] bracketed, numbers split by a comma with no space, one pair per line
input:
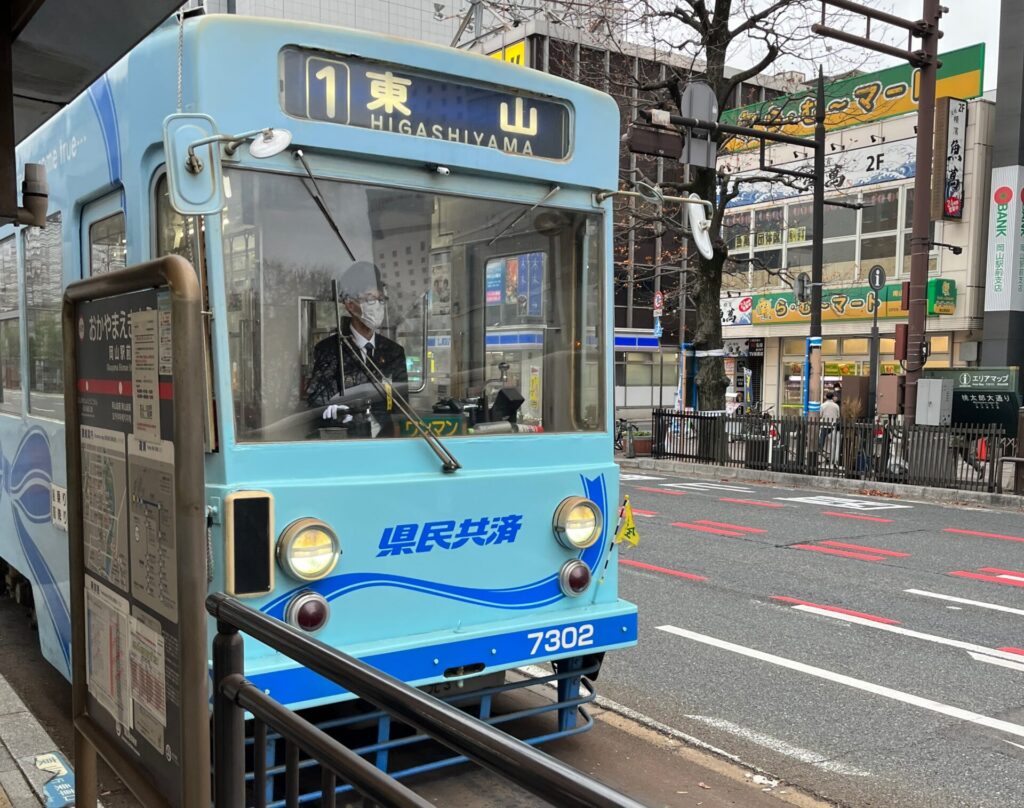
[1004,281]
[350,91]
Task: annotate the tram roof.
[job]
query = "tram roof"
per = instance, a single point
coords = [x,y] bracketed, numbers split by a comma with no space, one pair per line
[60,47]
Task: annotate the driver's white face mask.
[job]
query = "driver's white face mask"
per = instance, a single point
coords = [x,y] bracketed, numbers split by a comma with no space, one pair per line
[371,312]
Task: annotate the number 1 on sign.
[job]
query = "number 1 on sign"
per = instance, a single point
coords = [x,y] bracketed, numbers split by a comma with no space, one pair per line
[327,76]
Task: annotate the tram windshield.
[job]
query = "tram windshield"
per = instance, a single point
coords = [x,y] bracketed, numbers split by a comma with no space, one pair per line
[485,316]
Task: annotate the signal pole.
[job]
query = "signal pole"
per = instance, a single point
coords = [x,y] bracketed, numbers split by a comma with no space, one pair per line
[926,59]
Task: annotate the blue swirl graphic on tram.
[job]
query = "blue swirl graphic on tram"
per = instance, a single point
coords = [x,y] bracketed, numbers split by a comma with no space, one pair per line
[27,478]
[528,596]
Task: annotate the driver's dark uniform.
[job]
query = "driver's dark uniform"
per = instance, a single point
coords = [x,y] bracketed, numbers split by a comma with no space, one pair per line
[325,381]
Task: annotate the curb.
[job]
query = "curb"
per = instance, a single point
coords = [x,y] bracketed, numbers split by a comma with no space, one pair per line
[943,496]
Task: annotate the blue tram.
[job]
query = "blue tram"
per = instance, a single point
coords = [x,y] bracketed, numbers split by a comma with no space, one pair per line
[408,294]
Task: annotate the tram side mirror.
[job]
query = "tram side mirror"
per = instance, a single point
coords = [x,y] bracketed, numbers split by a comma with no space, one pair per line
[194,177]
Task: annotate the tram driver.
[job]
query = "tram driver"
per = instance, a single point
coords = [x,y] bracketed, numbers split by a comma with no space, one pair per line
[349,397]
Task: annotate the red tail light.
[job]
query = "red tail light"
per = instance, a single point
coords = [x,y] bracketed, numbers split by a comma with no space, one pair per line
[574,578]
[308,611]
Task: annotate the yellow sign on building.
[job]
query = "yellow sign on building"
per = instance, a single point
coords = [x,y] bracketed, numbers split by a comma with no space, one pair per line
[514,53]
[861,99]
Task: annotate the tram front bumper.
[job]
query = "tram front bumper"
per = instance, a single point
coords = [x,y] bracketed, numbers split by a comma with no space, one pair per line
[456,654]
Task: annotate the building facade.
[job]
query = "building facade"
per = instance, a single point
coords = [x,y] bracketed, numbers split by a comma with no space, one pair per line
[870,168]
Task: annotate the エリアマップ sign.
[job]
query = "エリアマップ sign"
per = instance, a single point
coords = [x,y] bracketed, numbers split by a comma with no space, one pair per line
[845,304]
[862,99]
[389,98]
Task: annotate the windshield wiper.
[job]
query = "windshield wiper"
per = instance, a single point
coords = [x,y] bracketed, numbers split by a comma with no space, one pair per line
[448,462]
[318,198]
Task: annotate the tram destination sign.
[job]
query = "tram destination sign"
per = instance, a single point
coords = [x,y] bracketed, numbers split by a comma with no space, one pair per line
[350,91]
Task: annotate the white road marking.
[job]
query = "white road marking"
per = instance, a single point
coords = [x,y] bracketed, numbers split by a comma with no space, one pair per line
[981,603]
[637,477]
[849,681]
[1019,746]
[906,632]
[535,671]
[846,502]
[1004,663]
[1011,577]
[782,747]
[708,487]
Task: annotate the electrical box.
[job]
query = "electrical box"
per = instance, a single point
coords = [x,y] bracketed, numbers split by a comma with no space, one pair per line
[935,402]
[889,395]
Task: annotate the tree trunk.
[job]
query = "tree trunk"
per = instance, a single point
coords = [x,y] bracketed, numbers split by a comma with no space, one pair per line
[710,379]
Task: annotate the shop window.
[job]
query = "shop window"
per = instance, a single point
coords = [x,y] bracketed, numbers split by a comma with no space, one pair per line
[669,369]
[768,224]
[939,344]
[793,346]
[933,261]
[839,222]
[879,250]
[830,347]
[765,268]
[880,212]
[838,260]
[638,370]
[736,231]
[736,275]
[856,346]
[886,345]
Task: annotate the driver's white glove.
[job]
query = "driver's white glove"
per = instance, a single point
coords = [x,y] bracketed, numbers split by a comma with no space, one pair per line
[337,412]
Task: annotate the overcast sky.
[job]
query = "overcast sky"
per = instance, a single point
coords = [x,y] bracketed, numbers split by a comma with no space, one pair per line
[967,23]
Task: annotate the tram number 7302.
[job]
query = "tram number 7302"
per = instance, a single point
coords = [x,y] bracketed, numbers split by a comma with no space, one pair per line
[562,639]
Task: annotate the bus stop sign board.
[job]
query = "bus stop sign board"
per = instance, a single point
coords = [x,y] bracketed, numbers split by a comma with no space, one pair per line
[138,554]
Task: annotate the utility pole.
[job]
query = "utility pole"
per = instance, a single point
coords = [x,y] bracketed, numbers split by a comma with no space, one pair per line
[814,377]
[926,59]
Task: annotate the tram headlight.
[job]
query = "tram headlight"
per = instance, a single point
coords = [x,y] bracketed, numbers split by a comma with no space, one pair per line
[308,549]
[577,523]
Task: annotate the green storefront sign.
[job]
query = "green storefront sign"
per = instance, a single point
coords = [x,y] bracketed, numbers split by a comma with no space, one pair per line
[988,379]
[941,296]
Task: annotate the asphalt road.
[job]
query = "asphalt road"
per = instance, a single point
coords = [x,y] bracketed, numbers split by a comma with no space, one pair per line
[868,649]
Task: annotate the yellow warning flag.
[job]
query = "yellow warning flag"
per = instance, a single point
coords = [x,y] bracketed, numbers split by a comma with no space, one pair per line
[627,527]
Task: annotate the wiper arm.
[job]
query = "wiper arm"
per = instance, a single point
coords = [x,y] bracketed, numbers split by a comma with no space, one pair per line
[448,462]
[318,198]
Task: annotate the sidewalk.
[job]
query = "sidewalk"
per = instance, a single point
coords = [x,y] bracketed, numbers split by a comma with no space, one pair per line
[944,496]
[33,772]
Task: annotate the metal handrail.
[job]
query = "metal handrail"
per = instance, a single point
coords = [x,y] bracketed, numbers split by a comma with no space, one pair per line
[491,748]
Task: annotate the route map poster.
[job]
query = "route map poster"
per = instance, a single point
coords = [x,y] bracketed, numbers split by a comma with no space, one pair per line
[125,406]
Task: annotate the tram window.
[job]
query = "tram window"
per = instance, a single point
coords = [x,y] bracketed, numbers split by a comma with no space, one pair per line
[43,289]
[10,329]
[175,234]
[107,250]
[459,297]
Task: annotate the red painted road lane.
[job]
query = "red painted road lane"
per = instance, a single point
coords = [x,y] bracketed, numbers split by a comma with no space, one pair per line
[839,609]
[864,549]
[660,491]
[639,512]
[856,516]
[727,526]
[1011,650]
[992,579]
[759,503]
[998,571]
[983,535]
[640,565]
[844,553]
[714,531]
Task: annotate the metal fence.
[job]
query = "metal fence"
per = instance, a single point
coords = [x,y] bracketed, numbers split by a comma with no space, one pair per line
[318,767]
[960,457]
